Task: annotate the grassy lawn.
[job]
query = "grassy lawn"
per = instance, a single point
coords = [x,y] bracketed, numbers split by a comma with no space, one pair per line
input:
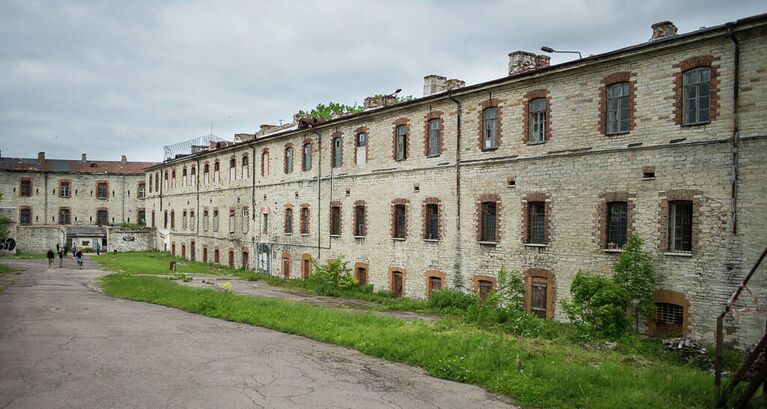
[157,262]
[535,372]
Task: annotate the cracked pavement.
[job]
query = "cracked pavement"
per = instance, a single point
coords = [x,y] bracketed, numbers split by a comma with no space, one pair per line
[65,345]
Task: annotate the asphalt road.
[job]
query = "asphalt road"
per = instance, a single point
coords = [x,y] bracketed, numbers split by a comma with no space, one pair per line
[65,345]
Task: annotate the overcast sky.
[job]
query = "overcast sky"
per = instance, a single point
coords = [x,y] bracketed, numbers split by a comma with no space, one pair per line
[127,77]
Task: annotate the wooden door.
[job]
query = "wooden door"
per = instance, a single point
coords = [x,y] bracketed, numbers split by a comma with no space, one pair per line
[205,254]
[362,276]
[245,261]
[307,269]
[286,266]
[231,259]
[539,301]
[396,283]
[191,251]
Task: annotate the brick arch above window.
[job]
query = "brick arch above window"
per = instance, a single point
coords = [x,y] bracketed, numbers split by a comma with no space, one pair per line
[434,274]
[531,276]
[532,95]
[488,103]
[607,81]
[689,64]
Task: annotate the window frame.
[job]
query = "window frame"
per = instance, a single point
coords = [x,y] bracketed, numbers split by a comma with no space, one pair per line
[434,137]
[337,150]
[335,219]
[432,221]
[488,208]
[68,184]
[672,246]
[306,157]
[68,219]
[288,224]
[537,111]
[487,129]
[401,142]
[616,107]
[696,86]
[360,212]
[536,228]
[288,158]
[28,211]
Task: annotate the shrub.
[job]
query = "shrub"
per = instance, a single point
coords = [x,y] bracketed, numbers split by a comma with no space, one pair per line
[451,301]
[332,276]
[88,250]
[598,306]
[510,291]
[634,272]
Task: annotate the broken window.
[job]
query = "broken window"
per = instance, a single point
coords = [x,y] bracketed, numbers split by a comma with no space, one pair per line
[360,227]
[400,221]
[618,108]
[400,147]
[490,128]
[537,121]
[680,226]
[432,222]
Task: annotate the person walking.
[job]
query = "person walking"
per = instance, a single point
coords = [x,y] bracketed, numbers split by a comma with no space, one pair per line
[50,258]
[74,250]
[98,248]
[61,258]
[79,256]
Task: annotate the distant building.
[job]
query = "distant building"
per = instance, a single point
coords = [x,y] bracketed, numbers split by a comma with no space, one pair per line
[56,201]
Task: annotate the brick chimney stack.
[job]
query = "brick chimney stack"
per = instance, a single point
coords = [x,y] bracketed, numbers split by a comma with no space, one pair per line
[83,158]
[124,159]
[663,29]
[433,84]
[521,61]
[41,156]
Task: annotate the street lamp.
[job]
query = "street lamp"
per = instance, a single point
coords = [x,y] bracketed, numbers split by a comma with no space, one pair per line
[551,50]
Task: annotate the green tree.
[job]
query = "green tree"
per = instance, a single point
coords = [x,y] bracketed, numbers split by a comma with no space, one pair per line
[326,112]
[598,306]
[333,275]
[510,290]
[634,272]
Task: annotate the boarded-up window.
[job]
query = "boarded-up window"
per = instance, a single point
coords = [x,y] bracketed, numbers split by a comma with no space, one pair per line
[435,283]
[539,302]
[362,275]
[397,283]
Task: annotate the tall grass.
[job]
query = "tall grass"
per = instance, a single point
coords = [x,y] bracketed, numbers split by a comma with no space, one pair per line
[533,371]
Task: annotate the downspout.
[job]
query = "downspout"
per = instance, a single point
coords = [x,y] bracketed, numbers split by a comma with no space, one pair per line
[458,265]
[252,171]
[197,193]
[319,191]
[735,141]
[45,196]
[123,199]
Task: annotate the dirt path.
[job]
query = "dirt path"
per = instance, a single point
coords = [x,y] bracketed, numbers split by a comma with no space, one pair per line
[64,345]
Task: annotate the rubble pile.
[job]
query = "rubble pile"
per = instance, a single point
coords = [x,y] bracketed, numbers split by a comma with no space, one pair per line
[687,350]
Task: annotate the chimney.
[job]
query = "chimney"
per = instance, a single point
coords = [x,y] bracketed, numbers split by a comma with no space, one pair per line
[663,29]
[242,137]
[454,84]
[379,101]
[521,61]
[433,84]
[41,156]
[198,148]
[83,159]
[124,159]
[542,61]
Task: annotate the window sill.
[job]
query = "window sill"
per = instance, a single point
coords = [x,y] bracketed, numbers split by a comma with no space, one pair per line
[489,149]
[535,245]
[288,234]
[678,254]
[488,243]
[695,124]
[398,238]
[434,156]
[360,237]
[535,143]
[618,134]
[335,236]
[652,178]
[612,250]
[431,240]
[304,234]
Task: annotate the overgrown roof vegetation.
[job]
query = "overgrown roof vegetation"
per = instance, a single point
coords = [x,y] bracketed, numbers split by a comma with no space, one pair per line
[327,112]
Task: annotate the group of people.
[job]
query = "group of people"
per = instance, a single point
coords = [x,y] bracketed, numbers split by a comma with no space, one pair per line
[61,252]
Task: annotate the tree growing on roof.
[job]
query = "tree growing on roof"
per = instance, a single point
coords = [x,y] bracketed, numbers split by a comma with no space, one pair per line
[326,112]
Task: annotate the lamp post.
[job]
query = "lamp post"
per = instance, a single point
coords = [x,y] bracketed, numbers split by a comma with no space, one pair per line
[551,50]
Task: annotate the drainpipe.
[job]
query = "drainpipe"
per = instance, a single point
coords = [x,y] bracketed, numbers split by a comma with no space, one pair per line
[197,194]
[319,190]
[252,172]
[458,265]
[735,132]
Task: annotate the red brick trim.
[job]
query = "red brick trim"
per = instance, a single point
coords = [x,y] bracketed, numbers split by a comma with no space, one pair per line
[286,257]
[670,297]
[304,273]
[60,181]
[425,221]
[434,273]
[475,279]
[364,265]
[392,270]
[602,222]
[98,182]
[697,225]
[489,197]
[400,122]
[623,76]
[362,129]
[336,203]
[428,118]
[285,158]
[481,120]
[288,206]
[536,197]
[265,162]
[393,219]
[364,204]
[304,225]
[530,275]
[686,65]
[535,94]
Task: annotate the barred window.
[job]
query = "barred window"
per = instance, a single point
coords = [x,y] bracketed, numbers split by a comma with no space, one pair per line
[697,96]
[488,221]
[490,128]
[617,224]
[680,226]
[434,145]
[668,319]
[360,226]
[537,121]
[618,108]
[535,222]
[432,222]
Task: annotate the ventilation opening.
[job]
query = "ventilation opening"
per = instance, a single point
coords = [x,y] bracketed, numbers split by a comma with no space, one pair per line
[648,173]
[348,192]
[416,188]
[511,182]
